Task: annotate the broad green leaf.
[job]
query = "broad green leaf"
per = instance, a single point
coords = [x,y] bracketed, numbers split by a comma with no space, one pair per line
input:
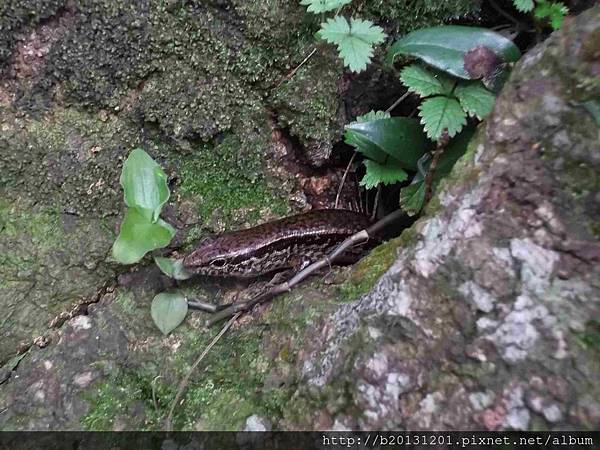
[376,173]
[168,310]
[439,114]
[139,235]
[144,184]
[445,47]
[475,99]
[365,146]
[354,40]
[173,268]
[424,82]
[321,6]
[524,5]
[400,138]
[413,196]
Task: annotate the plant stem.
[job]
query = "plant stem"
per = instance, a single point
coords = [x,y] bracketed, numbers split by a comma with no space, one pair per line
[439,150]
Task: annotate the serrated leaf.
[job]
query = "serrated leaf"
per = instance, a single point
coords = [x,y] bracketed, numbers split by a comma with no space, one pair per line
[424,82]
[373,115]
[524,5]
[475,99]
[173,268]
[439,114]
[139,235]
[144,184]
[555,12]
[321,6]
[376,173]
[400,139]
[168,310]
[412,197]
[354,40]
[445,47]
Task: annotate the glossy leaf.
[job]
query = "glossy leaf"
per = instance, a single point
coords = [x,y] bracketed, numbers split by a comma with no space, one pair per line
[139,235]
[400,138]
[144,184]
[445,47]
[168,310]
[173,268]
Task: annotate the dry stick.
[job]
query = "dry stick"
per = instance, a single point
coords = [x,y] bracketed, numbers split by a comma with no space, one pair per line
[355,239]
[339,192]
[397,102]
[184,383]
[293,72]
[377,196]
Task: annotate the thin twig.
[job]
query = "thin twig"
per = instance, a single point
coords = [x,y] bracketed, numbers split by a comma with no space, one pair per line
[358,238]
[184,383]
[397,102]
[339,192]
[293,72]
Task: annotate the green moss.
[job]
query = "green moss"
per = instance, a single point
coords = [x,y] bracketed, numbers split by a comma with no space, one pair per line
[408,16]
[124,395]
[68,160]
[366,273]
[590,338]
[225,179]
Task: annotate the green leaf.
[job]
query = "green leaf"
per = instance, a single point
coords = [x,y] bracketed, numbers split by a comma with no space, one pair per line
[412,197]
[173,268]
[144,184]
[424,82]
[475,99]
[373,115]
[440,114]
[321,6]
[168,310]
[400,138]
[354,40]
[139,235]
[445,47]
[555,12]
[376,173]
[524,5]
[593,107]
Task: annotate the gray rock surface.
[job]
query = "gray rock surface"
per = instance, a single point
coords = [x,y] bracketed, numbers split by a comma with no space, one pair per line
[489,317]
